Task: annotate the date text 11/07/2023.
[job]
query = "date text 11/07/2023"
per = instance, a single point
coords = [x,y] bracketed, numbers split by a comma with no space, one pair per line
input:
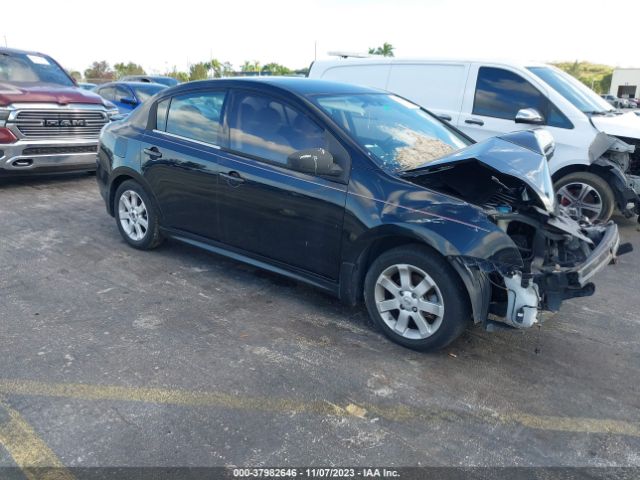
[315,473]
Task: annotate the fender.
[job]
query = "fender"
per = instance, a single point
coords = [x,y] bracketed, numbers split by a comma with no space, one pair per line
[119,175]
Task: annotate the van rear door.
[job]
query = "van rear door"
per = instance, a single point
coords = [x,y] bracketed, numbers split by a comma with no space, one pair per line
[438,87]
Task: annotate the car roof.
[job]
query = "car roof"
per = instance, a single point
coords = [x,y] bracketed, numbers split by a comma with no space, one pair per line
[300,86]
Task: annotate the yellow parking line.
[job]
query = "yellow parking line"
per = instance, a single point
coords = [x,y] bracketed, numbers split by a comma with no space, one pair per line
[397,413]
[31,454]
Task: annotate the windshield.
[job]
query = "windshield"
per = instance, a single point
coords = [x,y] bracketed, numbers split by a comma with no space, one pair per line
[31,68]
[581,96]
[146,91]
[398,134]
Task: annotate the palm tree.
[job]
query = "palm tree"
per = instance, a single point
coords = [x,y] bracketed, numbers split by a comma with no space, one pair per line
[386,50]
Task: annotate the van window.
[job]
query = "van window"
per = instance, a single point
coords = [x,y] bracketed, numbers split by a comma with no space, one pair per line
[501,93]
[434,87]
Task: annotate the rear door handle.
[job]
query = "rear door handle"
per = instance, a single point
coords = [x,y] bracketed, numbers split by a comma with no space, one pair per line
[153,152]
[474,121]
[233,178]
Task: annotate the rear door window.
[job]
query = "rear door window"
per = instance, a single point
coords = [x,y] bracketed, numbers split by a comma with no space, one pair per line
[197,116]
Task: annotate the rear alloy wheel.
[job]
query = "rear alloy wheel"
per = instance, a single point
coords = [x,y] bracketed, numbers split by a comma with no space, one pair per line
[585,195]
[415,297]
[136,216]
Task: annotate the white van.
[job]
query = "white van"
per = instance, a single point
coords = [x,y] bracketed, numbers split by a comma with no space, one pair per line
[595,166]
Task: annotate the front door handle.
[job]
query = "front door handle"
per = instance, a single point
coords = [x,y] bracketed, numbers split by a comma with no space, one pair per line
[445,117]
[153,152]
[474,121]
[233,178]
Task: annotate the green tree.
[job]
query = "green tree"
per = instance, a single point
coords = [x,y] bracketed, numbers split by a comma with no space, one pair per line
[386,50]
[248,66]
[123,69]
[275,69]
[99,71]
[77,76]
[216,66]
[604,85]
[180,76]
[227,69]
[199,71]
[593,75]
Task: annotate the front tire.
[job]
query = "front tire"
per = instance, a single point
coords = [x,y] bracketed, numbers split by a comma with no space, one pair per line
[416,298]
[585,194]
[136,216]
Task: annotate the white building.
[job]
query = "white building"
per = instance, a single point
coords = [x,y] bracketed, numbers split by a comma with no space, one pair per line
[625,83]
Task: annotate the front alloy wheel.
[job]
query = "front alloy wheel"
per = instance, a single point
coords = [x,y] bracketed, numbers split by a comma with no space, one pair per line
[409,301]
[585,195]
[416,298]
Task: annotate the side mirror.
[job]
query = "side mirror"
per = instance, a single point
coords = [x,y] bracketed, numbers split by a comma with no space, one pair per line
[316,161]
[129,101]
[529,115]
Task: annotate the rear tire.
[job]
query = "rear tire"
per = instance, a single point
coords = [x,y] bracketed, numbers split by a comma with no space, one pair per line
[586,194]
[416,298]
[136,216]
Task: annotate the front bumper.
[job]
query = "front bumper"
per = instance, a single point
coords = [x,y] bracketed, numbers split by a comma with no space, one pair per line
[563,283]
[32,156]
[604,253]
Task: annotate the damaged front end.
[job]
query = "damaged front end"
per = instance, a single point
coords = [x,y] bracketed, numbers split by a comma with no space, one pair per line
[508,178]
[618,161]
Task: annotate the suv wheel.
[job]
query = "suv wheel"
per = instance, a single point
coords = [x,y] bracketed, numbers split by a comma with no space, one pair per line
[585,194]
[136,216]
[416,298]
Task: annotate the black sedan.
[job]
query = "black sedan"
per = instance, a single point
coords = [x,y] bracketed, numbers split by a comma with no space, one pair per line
[358,192]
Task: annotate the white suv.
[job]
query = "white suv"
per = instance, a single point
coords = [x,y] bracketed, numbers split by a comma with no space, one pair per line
[595,167]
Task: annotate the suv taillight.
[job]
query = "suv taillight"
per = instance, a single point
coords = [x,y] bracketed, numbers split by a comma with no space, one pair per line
[7,136]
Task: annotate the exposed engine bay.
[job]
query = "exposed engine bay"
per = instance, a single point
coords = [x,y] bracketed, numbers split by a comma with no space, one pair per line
[556,255]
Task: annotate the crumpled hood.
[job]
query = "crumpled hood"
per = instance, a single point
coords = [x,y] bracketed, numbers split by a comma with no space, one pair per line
[625,125]
[519,155]
[45,93]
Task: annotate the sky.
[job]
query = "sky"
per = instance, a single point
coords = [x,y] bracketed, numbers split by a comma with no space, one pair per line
[162,34]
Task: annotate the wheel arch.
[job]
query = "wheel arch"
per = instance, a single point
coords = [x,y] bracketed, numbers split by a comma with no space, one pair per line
[354,269]
[121,175]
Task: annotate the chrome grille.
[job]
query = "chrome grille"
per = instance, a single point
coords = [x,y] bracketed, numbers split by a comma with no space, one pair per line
[60,123]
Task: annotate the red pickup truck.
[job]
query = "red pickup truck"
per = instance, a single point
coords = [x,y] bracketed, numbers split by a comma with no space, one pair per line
[47,123]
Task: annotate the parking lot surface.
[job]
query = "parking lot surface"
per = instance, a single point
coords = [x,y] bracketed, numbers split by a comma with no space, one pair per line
[116,357]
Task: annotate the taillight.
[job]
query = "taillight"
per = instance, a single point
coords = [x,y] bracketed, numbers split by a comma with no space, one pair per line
[7,136]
